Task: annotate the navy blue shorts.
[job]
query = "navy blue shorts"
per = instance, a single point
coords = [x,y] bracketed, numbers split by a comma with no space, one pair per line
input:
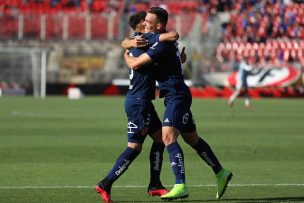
[142,119]
[178,114]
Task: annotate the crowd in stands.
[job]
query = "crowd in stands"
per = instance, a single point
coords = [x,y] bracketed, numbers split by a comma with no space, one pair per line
[38,15]
[257,21]
[173,6]
[32,10]
[267,31]
[273,51]
[179,6]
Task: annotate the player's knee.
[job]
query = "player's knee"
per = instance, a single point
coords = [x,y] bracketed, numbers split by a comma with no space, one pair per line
[157,136]
[136,146]
[191,138]
[169,135]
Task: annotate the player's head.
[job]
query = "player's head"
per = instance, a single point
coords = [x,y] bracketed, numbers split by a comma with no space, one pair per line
[156,20]
[136,21]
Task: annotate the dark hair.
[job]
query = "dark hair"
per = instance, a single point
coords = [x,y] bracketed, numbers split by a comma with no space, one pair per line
[136,18]
[161,14]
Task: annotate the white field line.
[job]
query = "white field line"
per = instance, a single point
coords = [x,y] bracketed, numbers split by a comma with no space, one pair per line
[141,186]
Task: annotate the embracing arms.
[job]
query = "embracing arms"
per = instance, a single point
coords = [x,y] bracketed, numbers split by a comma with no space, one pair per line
[139,41]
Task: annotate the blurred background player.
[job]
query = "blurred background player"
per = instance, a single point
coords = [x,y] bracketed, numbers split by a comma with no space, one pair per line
[243,71]
[142,117]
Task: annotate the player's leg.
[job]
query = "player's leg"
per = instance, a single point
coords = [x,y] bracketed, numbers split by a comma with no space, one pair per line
[234,95]
[137,131]
[173,117]
[155,187]
[203,150]
[121,165]
[176,157]
[237,91]
[246,98]
[223,176]
[246,93]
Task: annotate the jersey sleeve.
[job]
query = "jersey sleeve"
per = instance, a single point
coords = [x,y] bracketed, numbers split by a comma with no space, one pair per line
[156,50]
[152,37]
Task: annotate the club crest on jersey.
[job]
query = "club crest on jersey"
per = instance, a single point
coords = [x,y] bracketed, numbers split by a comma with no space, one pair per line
[131,127]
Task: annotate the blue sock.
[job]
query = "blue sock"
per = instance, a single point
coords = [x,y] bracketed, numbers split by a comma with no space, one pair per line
[206,153]
[156,161]
[122,164]
[177,162]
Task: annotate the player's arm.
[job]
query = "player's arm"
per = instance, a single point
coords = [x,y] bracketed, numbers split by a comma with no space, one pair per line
[137,62]
[169,36]
[138,42]
[153,54]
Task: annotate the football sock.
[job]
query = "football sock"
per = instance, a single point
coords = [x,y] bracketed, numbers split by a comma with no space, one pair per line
[106,185]
[176,157]
[122,164]
[156,160]
[206,153]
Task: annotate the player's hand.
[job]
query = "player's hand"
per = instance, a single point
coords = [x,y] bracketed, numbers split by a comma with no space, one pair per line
[183,55]
[139,41]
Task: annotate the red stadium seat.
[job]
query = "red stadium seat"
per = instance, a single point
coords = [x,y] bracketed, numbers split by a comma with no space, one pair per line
[99,26]
[77,26]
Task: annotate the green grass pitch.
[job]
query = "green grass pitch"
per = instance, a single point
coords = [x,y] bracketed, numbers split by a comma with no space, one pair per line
[55,150]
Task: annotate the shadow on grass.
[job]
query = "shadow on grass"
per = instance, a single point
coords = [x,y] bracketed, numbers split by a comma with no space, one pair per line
[260,200]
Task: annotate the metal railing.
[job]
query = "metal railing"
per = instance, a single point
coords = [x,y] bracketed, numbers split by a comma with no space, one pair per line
[61,26]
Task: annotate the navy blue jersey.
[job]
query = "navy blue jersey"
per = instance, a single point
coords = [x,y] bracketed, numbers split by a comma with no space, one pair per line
[142,80]
[169,70]
[170,77]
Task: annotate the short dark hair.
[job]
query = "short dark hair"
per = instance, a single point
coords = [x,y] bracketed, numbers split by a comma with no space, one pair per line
[136,18]
[161,14]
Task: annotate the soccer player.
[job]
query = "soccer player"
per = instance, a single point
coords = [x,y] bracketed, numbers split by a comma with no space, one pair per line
[177,116]
[244,70]
[142,119]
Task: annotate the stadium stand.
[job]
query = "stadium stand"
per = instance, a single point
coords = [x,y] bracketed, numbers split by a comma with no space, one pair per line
[267,32]
[215,32]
